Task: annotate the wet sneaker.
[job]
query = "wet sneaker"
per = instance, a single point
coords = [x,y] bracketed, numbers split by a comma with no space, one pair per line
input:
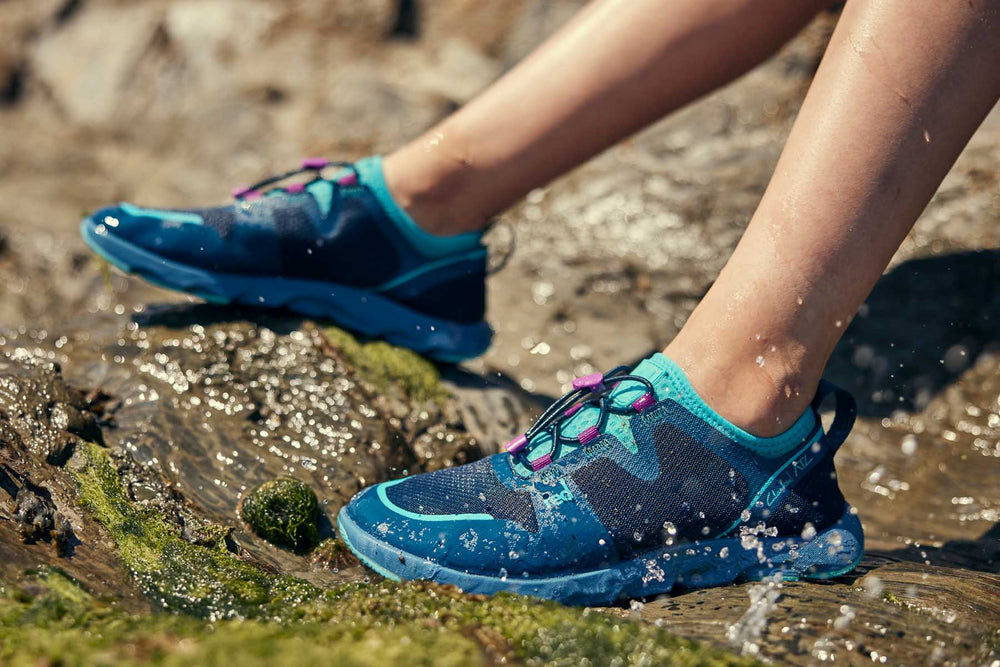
[627,486]
[335,247]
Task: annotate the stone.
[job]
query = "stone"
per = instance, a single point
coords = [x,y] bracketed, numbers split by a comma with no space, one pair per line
[92,90]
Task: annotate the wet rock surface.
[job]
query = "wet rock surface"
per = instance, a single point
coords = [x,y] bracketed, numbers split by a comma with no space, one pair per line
[198,405]
[209,404]
[41,523]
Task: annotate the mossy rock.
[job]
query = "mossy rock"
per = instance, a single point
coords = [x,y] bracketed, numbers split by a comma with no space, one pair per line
[284,512]
[385,366]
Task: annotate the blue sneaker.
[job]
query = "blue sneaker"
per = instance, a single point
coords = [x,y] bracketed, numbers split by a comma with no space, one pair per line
[625,487]
[336,248]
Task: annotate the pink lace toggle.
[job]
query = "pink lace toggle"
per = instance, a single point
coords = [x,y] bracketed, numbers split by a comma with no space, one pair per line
[593,382]
[541,462]
[349,179]
[643,402]
[573,410]
[517,444]
[314,162]
[588,434]
[295,188]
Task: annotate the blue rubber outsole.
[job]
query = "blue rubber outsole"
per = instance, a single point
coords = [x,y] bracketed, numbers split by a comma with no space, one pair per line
[831,553]
[362,311]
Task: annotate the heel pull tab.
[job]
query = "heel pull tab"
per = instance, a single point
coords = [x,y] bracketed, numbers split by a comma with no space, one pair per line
[845,411]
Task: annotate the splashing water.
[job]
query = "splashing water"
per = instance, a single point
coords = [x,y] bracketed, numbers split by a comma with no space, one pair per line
[746,633]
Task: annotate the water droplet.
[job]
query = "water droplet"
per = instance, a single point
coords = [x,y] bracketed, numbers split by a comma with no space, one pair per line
[760,360]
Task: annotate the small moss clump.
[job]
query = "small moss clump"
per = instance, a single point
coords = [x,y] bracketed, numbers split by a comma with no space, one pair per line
[285,512]
[383,365]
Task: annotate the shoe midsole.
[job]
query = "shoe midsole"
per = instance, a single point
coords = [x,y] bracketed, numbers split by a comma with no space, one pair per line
[831,552]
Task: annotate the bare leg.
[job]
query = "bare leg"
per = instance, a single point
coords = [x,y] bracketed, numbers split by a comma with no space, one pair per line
[616,67]
[902,87]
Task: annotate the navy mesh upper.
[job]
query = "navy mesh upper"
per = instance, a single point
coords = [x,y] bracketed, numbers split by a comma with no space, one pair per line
[469,489]
[346,247]
[696,489]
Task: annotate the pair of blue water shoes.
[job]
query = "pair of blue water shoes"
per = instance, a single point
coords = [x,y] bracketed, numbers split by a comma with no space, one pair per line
[626,487]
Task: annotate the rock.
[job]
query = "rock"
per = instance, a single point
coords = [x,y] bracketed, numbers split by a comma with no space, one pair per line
[93,90]
[457,72]
[40,411]
[34,516]
[284,512]
[40,522]
[537,20]
[213,34]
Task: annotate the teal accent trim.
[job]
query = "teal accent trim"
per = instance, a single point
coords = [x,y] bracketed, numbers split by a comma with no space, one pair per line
[431,245]
[770,480]
[430,266]
[322,192]
[174,216]
[680,390]
[620,428]
[380,489]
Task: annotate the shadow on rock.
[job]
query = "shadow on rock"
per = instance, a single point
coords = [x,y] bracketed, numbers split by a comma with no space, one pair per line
[182,315]
[982,554]
[925,322]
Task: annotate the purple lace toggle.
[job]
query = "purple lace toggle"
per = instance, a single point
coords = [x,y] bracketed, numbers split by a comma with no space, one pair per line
[242,191]
[643,402]
[295,188]
[349,179]
[593,382]
[588,434]
[517,444]
[573,410]
[541,462]
[314,162]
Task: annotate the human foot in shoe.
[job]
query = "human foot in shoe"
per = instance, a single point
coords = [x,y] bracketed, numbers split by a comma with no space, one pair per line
[335,247]
[627,486]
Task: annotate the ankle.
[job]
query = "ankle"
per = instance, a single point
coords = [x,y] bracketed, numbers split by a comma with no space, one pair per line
[762,394]
[430,186]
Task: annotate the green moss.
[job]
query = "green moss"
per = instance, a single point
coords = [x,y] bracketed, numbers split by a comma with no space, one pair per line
[285,512]
[287,621]
[891,599]
[383,366]
[206,582]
